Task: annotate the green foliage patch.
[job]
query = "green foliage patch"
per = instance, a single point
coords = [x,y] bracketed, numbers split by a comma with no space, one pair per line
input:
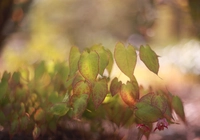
[35,100]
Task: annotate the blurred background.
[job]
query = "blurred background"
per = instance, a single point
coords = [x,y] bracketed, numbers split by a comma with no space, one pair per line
[34,30]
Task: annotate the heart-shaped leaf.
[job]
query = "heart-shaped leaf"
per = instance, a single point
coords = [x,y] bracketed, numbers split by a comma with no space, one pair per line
[149,58]
[125,58]
[79,104]
[74,57]
[111,61]
[159,101]
[89,65]
[115,86]
[99,92]
[103,57]
[147,113]
[147,98]
[81,87]
[129,93]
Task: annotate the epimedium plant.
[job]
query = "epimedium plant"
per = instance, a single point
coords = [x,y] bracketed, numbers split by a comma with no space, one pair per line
[80,90]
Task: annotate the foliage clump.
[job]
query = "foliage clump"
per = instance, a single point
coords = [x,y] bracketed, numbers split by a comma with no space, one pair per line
[36,99]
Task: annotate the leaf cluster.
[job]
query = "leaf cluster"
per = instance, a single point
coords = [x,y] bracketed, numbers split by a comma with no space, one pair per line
[36,98]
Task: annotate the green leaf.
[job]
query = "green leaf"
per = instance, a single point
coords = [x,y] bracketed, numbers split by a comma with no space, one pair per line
[16,77]
[125,59]
[3,89]
[147,113]
[177,105]
[149,58]
[159,101]
[54,97]
[59,109]
[147,98]
[103,57]
[40,70]
[81,87]
[63,71]
[79,104]
[111,61]
[14,126]
[99,92]
[89,65]
[115,86]
[129,93]
[6,76]
[74,57]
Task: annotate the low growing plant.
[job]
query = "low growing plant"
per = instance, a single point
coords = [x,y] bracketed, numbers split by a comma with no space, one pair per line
[39,99]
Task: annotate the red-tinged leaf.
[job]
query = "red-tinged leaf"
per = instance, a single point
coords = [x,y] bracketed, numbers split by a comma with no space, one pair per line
[129,93]
[103,57]
[81,87]
[147,113]
[177,105]
[149,58]
[147,98]
[111,61]
[99,92]
[125,58]
[159,101]
[89,65]
[74,57]
[31,110]
[79,104]
[77,79]
[135,84]
[39,115]
[115,86]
